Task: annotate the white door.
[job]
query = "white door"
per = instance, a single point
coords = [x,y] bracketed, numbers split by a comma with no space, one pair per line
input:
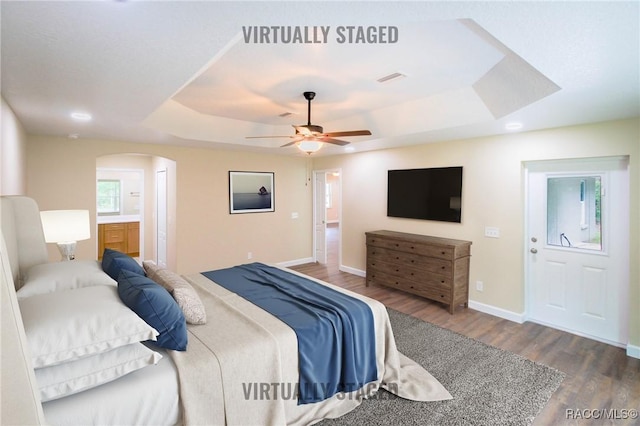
[578,247]
[161,218]
[320,217]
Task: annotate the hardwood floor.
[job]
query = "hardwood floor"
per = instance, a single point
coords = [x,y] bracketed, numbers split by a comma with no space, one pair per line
[602,384]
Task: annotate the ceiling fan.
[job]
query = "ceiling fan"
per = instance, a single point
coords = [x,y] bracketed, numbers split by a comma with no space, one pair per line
[310,137]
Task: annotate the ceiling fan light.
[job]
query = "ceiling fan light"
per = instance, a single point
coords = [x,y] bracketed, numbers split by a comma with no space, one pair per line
[309,146]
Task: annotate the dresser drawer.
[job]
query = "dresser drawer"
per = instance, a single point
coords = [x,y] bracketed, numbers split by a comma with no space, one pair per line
[113,236]
[426,287]
[407,273]
[411,247]
[118,246]
[113,227]
[421,263]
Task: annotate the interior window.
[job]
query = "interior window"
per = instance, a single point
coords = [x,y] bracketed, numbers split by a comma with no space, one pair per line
[108,197]
[574,212]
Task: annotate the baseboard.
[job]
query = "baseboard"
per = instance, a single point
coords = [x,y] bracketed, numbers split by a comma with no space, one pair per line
[354,271]
[296,262]
[497,312]
[487,309]
[633,351]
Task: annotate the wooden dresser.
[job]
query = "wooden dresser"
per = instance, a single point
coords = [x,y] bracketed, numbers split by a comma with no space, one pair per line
[431,267]
[123,237]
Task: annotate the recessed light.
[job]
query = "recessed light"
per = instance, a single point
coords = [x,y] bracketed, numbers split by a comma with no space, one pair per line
[513,126]
[73,136]
[81,116]
[349,149]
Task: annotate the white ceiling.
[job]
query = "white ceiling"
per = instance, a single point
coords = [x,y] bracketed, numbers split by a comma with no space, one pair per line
[183,73]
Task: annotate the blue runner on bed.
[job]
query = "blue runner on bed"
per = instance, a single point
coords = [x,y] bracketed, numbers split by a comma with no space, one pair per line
[336,335]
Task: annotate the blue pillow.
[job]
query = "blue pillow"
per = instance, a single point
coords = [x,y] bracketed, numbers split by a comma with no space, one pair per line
[114,261]
[156,307]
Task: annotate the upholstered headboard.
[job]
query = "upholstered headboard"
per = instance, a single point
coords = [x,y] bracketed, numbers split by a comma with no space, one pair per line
[20,394]
[24,238]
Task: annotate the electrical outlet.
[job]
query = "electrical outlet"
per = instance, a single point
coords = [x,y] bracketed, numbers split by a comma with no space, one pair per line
[249,255]
[479,285]
[491,232]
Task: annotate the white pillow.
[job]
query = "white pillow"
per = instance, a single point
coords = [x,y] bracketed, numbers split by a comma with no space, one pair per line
[56,276]
[88,372]
[68,325]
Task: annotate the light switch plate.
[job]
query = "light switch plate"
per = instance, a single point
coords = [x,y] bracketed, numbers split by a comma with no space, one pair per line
[491,232]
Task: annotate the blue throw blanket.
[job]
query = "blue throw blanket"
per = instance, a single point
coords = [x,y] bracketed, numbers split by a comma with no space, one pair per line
[336,335]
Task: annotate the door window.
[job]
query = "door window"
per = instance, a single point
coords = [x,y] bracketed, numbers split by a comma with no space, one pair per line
[574,212]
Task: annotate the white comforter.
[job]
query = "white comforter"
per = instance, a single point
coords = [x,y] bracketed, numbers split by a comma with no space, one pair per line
[240,367]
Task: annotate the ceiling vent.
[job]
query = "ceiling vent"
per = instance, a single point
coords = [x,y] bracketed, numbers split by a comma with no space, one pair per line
[390,77]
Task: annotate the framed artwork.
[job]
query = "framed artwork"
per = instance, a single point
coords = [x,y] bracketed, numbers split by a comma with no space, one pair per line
[251,192]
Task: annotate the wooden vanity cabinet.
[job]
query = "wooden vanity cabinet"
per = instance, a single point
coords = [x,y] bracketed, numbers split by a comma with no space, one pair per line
[123,237]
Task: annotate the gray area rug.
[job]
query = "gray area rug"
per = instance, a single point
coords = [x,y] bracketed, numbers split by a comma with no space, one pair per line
[489,386]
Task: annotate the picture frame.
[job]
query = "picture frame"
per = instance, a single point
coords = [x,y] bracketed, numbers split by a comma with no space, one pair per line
[251,192]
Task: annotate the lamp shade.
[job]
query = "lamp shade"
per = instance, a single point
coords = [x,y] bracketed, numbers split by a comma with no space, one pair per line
[61,226]
[309,146]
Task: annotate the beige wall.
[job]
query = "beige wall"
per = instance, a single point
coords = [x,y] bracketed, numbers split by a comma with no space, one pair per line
[13,140]
[61,174]
[492,196]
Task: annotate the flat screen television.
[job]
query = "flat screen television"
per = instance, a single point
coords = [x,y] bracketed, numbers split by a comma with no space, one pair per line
[428,194]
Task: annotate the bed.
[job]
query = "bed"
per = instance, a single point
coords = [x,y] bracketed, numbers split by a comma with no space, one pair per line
[239,367]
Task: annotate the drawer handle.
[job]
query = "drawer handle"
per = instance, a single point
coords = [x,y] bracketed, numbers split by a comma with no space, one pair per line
[443,267]
[411,286]
[397,245]
[397,270]
[412,261]
[443,252]
[412,247]
[412,275]
[397,257]
[442,282]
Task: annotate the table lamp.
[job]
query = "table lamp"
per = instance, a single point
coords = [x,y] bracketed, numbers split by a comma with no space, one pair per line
[65,228]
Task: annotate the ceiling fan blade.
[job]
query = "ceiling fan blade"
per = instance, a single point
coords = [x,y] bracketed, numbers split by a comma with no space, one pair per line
[333,141]
[295,140]
[349,133]
[262,137]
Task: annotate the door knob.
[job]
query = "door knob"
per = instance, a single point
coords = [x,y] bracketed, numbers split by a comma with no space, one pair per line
[534,251]
[534,239]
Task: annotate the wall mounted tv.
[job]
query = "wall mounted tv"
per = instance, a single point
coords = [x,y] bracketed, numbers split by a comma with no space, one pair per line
[429,194]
